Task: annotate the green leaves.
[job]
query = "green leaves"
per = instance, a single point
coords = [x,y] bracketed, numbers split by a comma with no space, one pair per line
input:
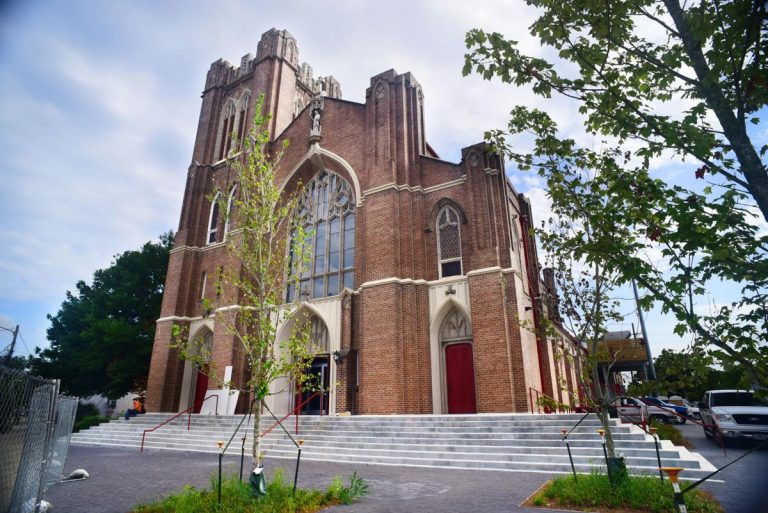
[626,60]
[101,337]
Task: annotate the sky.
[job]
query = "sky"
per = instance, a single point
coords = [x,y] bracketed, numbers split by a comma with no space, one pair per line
[101,100]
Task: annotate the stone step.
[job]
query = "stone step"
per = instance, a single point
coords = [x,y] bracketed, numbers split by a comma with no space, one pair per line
[515,442]
[509,455]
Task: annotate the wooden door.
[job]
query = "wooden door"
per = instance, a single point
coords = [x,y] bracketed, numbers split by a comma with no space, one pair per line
[460,378]
[201,387]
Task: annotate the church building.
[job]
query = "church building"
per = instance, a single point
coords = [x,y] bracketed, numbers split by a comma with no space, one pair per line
[424,287]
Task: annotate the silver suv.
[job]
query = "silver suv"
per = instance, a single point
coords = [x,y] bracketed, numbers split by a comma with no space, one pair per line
[734,414]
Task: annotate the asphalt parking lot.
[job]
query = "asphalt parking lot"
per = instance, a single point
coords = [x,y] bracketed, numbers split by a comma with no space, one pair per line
[122,478]
[745,489]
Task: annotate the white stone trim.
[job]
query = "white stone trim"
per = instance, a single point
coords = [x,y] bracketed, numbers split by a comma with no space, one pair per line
[416,188]
[315,155]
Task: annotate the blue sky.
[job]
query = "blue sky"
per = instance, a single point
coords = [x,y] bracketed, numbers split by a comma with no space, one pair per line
[100,104]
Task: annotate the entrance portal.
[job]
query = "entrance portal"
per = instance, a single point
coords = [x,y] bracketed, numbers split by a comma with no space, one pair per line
[460,378]
[201,387]
[320,375]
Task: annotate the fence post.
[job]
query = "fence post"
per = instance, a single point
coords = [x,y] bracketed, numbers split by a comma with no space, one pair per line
[672,472]
[221,454]
[658,456]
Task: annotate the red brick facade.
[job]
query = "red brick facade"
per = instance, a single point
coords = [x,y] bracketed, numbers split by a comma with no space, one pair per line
[391,326]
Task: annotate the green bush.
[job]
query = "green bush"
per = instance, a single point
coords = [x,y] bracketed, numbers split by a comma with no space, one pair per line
[87,422]
[641,493]
[236,497]
[86,410]
[669,432]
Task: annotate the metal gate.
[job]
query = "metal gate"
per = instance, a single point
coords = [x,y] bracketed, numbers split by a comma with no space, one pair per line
[35,428]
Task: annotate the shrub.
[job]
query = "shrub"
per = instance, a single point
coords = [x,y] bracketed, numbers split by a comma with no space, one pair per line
[87,422]
[669,432]
[86,410]
[641,493]
[236,497]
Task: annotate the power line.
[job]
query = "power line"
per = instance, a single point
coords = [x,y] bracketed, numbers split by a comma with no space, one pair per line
[24,344]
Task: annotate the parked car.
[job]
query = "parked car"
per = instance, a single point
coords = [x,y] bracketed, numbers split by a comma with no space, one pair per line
[682,411]
[734,414]
[692,408]
[633,409]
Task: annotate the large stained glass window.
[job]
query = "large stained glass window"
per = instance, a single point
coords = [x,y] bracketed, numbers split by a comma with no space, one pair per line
[327,211]
[449,242]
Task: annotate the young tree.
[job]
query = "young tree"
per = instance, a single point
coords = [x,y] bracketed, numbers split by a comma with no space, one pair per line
[634,59]
[101,337]
[585,304]
[268,254]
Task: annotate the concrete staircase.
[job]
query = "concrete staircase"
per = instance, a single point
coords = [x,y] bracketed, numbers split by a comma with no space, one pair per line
[507,442]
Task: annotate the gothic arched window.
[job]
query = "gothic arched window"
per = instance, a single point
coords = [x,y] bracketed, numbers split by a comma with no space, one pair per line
[449,242]
[455,327]
[326,210]
[226,127]
[230,209]
[318,336]
[242,107]
[213,220]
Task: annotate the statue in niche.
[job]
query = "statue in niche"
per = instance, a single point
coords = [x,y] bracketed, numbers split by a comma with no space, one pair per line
[315,113]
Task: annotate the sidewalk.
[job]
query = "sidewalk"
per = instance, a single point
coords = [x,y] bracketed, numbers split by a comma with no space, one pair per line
[121,478]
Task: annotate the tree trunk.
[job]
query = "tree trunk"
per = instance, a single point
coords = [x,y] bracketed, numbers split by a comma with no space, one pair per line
[603,413]
[256,413]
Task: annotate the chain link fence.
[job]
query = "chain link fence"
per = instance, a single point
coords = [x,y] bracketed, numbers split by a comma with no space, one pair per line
[35,428]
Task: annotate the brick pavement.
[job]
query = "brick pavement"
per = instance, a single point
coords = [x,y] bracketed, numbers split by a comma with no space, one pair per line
[121,478]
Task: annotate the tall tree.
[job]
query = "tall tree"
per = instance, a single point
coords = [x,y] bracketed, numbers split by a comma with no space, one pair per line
[101,337]
[633,61]
[268,254]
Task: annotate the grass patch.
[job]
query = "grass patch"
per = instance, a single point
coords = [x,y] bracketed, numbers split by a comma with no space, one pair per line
[236,497]
[593,491]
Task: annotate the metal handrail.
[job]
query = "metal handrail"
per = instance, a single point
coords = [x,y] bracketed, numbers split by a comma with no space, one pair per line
[540,394]
[189,418]
[293,412]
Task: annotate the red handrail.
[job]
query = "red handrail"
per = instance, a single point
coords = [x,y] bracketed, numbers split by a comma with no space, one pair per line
[189,418]
[293,412]
[531,390]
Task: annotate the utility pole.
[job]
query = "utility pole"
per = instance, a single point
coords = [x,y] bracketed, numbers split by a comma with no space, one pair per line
[13,344]
[651,368]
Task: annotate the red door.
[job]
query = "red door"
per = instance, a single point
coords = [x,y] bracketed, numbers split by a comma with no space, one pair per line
[460,378]
[201,387]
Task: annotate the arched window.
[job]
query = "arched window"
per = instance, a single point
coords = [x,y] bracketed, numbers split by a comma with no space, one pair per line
[455,327]
[318,336]
[243,104]
[213,220]
[230,209]
[326,209]
[226,127]
[449,242]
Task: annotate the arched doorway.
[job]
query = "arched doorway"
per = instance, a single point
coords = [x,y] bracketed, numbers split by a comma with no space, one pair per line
[458,364]
[195,379]
[319,372]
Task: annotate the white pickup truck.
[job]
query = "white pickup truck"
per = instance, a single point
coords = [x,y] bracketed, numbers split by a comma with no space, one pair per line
[734,414]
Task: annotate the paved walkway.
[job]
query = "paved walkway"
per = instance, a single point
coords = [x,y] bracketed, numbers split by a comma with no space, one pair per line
[121,478]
